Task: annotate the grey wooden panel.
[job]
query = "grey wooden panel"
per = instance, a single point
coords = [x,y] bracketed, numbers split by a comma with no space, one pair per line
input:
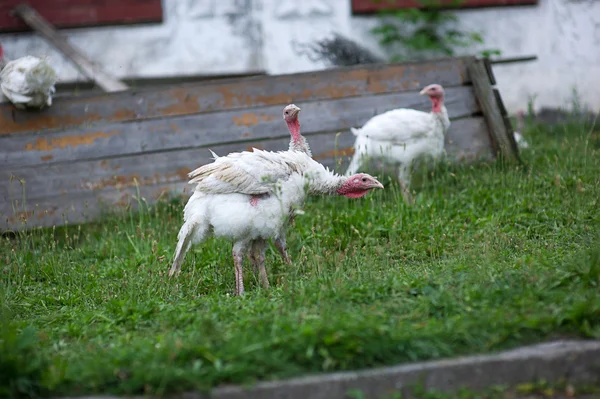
[467,139]
[200,130]
[60,210]
[231,94]
[333,149]
[146,169]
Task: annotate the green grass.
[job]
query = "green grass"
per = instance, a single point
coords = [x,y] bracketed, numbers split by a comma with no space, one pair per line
[489,257]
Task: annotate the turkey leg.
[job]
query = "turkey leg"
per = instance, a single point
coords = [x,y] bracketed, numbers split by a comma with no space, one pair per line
[404,181]
[238,261]
[257,257]
[259,253]
[252,258]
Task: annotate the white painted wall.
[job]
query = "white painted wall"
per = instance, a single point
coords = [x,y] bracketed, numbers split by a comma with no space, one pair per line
[204,37]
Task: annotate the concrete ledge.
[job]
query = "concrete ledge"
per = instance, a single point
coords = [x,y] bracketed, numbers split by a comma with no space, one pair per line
[576,361]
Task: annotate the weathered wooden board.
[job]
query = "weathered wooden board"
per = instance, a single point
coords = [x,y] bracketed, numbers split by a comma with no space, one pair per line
[81,157]
[118,139]
[466,139]
[235,94]
[58,211]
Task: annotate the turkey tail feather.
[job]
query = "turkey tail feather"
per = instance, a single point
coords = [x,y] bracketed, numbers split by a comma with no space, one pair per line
[185,236]
[355,131]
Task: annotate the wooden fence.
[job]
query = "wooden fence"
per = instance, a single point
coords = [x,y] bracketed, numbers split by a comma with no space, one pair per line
[84,154]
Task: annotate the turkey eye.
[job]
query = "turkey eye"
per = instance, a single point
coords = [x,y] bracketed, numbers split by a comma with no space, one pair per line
[364,179]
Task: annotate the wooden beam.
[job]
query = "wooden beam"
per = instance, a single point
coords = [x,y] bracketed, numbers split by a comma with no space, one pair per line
[492,111]
[33,19]
[511,60]
[488,68]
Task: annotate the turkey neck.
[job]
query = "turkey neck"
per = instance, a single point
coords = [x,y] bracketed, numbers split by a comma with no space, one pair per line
[438,110]
[298,142]
[329,183]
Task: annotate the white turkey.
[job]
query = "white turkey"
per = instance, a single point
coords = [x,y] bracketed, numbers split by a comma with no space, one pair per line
[521,143]
[297,143]
[400,136]
[248,197]
[27,81]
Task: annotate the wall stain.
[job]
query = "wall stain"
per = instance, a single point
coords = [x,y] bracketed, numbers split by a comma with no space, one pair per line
[43,144]
[249,119]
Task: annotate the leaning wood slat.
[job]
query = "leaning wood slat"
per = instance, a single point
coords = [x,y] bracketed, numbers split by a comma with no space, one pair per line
[507,122]
[234,94]
[500,135]
[74,183]
[118,139]
[490,72]
[38,23]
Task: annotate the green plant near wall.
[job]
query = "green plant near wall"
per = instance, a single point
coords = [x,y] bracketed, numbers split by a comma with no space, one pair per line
[420,33]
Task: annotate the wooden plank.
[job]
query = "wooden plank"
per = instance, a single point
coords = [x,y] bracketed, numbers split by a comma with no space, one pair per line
[500,135]
[58,211]
[232,94]
[507,122]
[80,13]
[467,139]
[370,6]
[119,139]
[510,60]
[103,79]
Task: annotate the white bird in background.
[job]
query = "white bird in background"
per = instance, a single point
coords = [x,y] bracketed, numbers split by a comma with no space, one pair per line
[248,198]
[27,81]
[521,143]
[400,136]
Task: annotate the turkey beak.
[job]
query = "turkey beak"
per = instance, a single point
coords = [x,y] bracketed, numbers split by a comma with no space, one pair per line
[423,92]
[297,111]
[375,184]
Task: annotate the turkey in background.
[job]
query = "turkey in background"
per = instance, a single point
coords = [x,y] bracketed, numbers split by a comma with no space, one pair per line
[341,51]
[27,82]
